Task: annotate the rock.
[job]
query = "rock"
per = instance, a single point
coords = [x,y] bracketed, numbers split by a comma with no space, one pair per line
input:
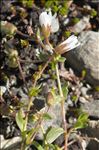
[86,56]
[10,144]
[82,99]
[85,94]
[81,25]
[56,121]
[93,132]
[92,108]
[84,91]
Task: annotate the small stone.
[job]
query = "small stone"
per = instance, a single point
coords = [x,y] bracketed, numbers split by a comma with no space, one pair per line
[82,100]
[92,108]
[12,144]
[66,21]
[84,91]
[81,25]
[86,56]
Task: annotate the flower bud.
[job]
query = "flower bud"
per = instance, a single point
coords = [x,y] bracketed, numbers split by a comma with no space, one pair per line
[69,44]
[45,22]
[50,99]
[8,28]
[12,61]
[48,23]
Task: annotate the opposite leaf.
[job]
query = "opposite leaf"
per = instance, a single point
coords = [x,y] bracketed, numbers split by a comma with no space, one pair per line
[20,120]
[53,134]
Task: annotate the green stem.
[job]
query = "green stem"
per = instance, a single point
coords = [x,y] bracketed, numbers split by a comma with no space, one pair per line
[62,106]
[58,81]
[34,85]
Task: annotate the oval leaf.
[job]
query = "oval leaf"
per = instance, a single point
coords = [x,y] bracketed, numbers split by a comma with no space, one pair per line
[20,120]
[37,145]
[53,134]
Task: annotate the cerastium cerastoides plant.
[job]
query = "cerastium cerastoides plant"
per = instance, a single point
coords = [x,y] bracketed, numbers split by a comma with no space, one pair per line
[49,24]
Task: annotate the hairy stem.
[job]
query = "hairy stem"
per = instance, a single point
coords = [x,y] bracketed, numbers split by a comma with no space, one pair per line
[34,85]
[62,106]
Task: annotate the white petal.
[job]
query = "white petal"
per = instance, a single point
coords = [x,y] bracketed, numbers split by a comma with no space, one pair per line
[72,46]
[54,25]
[55,15]
[50,14]
[44,19]
[47,19]
[71,39]
[54,22]
[71,43]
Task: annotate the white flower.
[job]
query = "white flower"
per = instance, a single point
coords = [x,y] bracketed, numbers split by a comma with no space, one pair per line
[69,44]
[48,23]
[44,19]
[54,22]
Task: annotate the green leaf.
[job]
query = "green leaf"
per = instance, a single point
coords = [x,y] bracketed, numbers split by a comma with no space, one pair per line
[83,117]
[57,148]
[34,91]
[20,119]
[74,98]
[82,121]
[46,116]
[48,3]
[65,90]
[55,8]
[30,134]
[93,12]
[84,73]
[63,11]
[37,145]
[53,147]
[59,58]
[62,59]
[53,134]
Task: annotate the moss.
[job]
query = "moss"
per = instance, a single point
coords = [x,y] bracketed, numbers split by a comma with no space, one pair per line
[57,6]
[67,34]
[93,13]
[75,20]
